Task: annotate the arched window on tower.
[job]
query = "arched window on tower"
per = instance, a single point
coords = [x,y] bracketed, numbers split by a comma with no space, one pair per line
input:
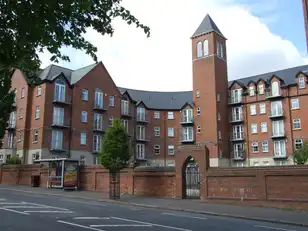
[275,88]
[222,50]
[199,49]
[218,48]
[206,48]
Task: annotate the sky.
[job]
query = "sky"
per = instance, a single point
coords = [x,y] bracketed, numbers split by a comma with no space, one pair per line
[263,36]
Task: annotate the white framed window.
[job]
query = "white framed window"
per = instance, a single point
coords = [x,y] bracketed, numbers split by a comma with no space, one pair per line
[156,149]
[84,117]
[265,146]
[38,91]
[170,149]
[95,160]
[171,132]
[219,134]
[237,114]
[19,137]
[58,115]
[198,129]
[218,97]
[141,114]
[23,92]
[255,147]
[37,112]
[125,107]
[262,108]
[237,132]
[296,124]
[35,135]
[110,121]
[254,128]
[221,50]
[156,131]
[276,108]
[85,95]
[59,94]
[99,100]
[140,151]
[261,89]
[188,134]
[298,143]
[111,101]
[294,103]
[125,124]
[21,113]
[187,116]
[10,140]
[82,160]
[198,111]
[253,110]
[98,121]
[199,49]
[205,48]
[278,128]
[218,48]
[170,115]
[140,132]
[218,116]
[97,143]
[156,115]
[236,96]
[83,138]
[301,82]
[12,120]
[263,127]
[252,90]
[197,93]
[57,139]
[279,148]
[275,88]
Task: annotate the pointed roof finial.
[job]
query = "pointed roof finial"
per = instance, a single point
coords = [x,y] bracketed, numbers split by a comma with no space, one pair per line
[207,25]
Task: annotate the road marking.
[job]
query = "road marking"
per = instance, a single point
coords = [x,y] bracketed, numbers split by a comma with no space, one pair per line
[22,207]
[80,226]
[45,206]
[182,215]
[14,211]
[47,211]
[91,218]
[11,203]
[271,227]
[83,202]
[1,199]
[121,225]
[147,223]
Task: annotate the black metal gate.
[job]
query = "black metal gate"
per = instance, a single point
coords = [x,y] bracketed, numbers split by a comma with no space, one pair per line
[191,178]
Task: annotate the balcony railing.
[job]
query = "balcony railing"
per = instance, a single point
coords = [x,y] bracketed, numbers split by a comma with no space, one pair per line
[278,134]
[99,106]
[276,113]
[60,122]
[62,100]
[12,125]
[269,95]
[238,155]
[140,137]
[236,118]
[99,126]
[57,146]
[141,156]
[125,111]
[235,100]
[187,119]
[237,136]
[279,154]
[142,117]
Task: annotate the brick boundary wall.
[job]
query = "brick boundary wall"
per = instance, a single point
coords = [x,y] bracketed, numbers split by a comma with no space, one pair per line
[285,183]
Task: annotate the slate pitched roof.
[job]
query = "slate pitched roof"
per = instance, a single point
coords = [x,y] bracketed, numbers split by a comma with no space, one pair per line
[168,100]
[207,25]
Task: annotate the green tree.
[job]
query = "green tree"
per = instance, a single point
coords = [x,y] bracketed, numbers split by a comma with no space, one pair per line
[115,155]
[31,26]
[300,156]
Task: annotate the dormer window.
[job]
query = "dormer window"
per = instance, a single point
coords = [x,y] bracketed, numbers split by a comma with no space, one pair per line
[206,48]
[251,90]
[59,94]
[199,49]
[261,89]
[301,82]
[275,88]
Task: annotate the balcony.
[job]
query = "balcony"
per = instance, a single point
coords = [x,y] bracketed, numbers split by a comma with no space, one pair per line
[278,113]
[62,100]
[11,125]
[270,96]
[142,117]
[236,118]
[187,120]
[99,126]
[277,135]
[238,155]
[237,136]
[142,138]
[279,155]
[140,155]
[59,122]
[126,112]
[57,147]
[235,100]
[14,105]
[99,106]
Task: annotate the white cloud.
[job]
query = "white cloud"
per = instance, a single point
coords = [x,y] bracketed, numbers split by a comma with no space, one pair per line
[163,62]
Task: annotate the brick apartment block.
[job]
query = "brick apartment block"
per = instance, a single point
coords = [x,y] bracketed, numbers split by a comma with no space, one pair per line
[258,120]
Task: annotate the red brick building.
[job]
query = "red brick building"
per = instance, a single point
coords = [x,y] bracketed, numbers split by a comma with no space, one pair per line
[258,120]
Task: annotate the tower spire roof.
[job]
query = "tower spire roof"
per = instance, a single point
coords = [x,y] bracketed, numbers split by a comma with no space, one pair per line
[207,25]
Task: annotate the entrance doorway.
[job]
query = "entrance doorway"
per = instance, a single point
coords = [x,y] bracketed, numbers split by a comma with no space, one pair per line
[191,179]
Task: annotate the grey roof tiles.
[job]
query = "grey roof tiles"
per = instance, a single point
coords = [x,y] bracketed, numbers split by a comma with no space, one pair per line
[207,25]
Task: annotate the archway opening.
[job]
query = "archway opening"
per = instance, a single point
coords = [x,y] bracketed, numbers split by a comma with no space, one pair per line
[191,179]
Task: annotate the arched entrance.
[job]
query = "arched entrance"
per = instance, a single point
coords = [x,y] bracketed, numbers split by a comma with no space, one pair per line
[191,179]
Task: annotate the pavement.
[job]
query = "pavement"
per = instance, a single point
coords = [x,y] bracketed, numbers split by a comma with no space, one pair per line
[25,209]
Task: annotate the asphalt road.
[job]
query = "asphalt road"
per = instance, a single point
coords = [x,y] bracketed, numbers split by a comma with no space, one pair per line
[30,212]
